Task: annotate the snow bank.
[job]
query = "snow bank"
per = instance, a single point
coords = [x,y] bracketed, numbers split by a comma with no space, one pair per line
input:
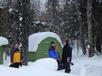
[36,38]
[47,63]
[83,66]
[42,67]
[3,41]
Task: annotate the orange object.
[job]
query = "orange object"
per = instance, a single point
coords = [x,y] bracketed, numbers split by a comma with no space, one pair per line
[17,57]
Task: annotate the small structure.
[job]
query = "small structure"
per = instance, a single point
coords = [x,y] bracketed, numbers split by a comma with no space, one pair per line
[3,41]
[39,44]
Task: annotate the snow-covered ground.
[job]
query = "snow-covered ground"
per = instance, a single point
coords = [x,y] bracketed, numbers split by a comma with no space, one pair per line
[88,66]
[83,66]
[42,67]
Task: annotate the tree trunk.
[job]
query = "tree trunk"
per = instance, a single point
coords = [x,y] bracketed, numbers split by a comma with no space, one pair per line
[81,29]
[90,34]
[23,27]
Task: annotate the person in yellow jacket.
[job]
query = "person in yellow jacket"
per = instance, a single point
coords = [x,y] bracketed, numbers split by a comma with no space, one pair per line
[16,59]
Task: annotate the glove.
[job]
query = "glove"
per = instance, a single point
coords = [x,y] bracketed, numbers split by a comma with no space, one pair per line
[72,63]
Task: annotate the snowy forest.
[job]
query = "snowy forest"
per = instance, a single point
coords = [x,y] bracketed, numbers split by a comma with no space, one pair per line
[73,19]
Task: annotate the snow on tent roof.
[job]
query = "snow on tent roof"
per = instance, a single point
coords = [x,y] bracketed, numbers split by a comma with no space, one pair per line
[36,38]
[3,41]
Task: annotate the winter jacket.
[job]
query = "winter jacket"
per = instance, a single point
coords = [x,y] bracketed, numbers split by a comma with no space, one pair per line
[53,54]
[17,57]
[12,53]
[67,54]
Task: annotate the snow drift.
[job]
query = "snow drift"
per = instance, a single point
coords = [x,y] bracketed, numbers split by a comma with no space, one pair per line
[47,63]
[36,38]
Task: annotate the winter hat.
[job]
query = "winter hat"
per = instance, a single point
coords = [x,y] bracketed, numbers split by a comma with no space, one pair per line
[52,42]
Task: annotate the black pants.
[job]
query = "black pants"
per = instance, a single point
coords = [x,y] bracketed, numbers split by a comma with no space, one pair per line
[65,66]
[15,65]
[60,65]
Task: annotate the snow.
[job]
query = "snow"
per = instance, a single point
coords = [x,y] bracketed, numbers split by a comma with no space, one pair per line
[1,7]
[36,38]
[52,64]
[83,66]
[20,18]
[77,50]
[42,67]
[10,10]
[3,41]
[36,22]
[6,62]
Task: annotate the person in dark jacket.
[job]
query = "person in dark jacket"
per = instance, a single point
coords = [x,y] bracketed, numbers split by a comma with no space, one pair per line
[66,57]
[52,53]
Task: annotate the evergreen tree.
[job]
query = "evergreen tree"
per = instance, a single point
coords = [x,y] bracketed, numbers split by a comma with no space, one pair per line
[20,17]
[52,10]
[69,17]
[82,20]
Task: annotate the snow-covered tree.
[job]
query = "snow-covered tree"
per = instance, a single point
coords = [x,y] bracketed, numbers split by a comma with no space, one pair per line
[82,20]
[20,19]
[52,12]
[68,18]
